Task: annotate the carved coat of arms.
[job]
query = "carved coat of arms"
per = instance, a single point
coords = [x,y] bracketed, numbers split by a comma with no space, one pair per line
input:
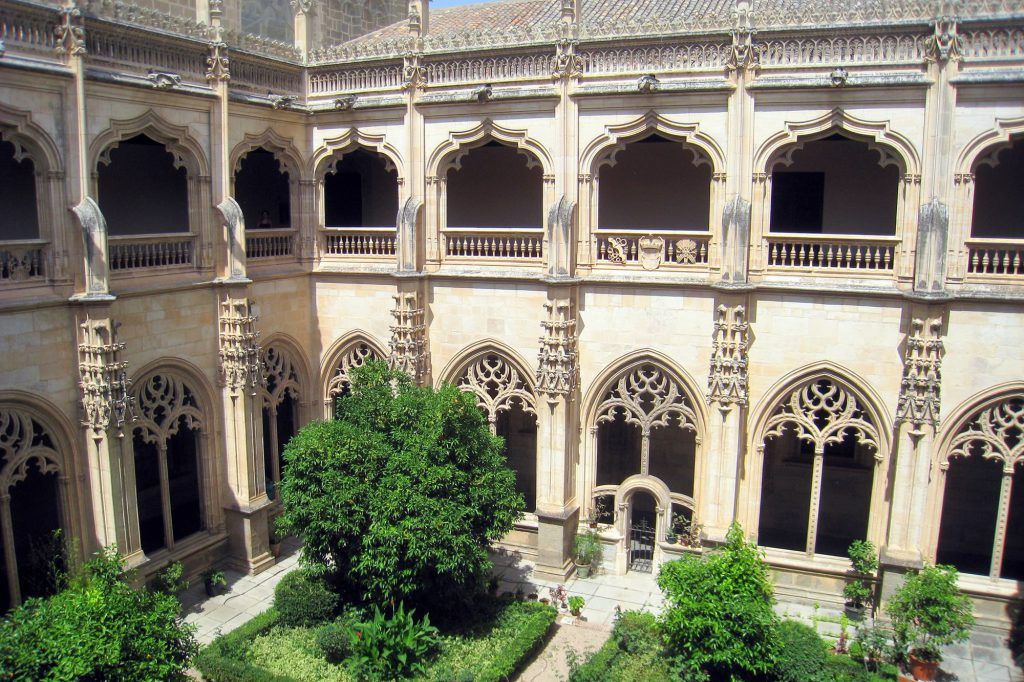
[652,250]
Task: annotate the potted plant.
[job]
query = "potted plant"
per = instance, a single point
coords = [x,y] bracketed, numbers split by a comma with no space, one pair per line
[688,531]
[576,604]
[595,513]
[670,536]
[859,592]
[275,539]
[586,549]
[928,611]
[214,581]
[873,643]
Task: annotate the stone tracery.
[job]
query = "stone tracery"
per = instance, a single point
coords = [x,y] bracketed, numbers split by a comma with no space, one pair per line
[498,387]
[822,413]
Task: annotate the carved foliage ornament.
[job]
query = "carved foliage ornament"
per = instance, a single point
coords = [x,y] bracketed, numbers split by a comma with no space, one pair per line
[107,401]
[280,377]
[356,355]
[498,387]
[919,399]
[995,433]
[727,383]
[69,34]
[166,404]
[822,413]
[239,348]
[945,44]
[24,441]
[409,336]
[567,63]
[557,368]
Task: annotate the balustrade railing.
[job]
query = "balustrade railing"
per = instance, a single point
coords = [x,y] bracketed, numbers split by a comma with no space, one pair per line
[27,28]
[273,243]
[145,251]
[820,252]
[1000,258]
[358,242]
[22,260]
[494,243]
[652,249]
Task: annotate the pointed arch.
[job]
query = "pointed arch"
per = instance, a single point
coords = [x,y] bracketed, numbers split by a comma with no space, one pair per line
[449,153]
[29,139]
[281,147]
[178,140]
[892,147]
[296,357]
[333,149]
[603,149]
[285,370]
[985,147]
[351,350]
[496,375]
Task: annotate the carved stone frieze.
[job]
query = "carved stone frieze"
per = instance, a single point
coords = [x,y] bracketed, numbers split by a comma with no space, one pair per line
[409,336]
[727,381]
[240,365]
[107,402]
[558,368]
[919,399]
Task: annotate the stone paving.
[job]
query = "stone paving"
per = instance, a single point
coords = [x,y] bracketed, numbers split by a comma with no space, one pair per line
[248,596]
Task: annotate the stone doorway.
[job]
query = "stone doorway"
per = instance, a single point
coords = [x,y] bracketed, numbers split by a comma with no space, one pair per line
[642,533]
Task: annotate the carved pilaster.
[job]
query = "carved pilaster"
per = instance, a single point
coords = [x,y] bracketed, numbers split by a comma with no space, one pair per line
[920,389]
[107,402]
[727,382]
[558,370]
[239,346]
[409,336]
[68,33]
[743,55]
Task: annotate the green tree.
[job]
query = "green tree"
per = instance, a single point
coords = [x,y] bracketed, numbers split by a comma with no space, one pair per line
[98,628]
[400,496]
[719,615]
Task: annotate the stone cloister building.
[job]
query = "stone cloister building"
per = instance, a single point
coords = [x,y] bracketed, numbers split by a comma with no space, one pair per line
[716,261]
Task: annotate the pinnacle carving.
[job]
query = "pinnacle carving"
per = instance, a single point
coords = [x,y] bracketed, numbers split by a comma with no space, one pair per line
[557,370]
[69,34]
[303,6]
[217,63]
[414,74]
[240,363]
[107,402]
[727,382]
[945,44]
[743,54]
[567,64]
[919,400]
[409,336]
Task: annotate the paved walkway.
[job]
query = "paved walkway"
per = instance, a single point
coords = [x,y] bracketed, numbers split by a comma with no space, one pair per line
[248,596]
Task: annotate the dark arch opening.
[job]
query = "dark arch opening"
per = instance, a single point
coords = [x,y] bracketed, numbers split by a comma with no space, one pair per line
[656,184]
[140,190]
[998,199]
[20,217]
[35,517]
[496,187]
[361,192]
[835,185]
[519,430]
[262,190]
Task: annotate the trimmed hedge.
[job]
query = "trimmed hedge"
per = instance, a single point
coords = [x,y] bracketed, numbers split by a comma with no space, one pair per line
[530,633]
[302,599]
[803,656]
[224,659]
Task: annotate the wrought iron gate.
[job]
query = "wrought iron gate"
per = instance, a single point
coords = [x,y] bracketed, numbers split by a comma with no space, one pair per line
[641,546]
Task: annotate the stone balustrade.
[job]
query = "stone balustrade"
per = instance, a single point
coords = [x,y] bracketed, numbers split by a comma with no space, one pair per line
[272,243]
[148,251]
[652,249]
[519,244]
[995,257]
[22,260]
[831,253]
[358,242]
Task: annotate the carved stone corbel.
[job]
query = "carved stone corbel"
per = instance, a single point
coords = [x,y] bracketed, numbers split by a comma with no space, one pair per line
[240,365]
[107,401]
[920,389]
[727,380]
[409,336]
[557,370]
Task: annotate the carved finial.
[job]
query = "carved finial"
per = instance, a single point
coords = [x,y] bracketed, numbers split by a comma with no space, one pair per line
[743,54]
[217,60]
[302,6]
[945,43]
[567,64]
[418,18]
[69,34]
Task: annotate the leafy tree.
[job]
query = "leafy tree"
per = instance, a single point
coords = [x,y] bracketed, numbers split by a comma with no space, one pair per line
[98,628]
[928,612]
[719,615]
[401,494]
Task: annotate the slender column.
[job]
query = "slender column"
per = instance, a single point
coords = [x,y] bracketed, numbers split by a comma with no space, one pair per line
[165,494]
[1002,521]
[10,559]
[812,514]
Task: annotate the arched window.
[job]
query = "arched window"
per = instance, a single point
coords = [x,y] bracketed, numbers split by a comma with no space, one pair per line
[835,185]
[998,201]
[142,188]
[263,190]
[352,355]
[508,402]
[495,185]
[281,395]
[820,449]
[167,440]
[33,505]
[981,530]
[360,190]
[20,216]
[655,184]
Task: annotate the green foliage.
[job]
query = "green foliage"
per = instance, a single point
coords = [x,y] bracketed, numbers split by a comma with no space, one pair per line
[928,611]
[304,599]
[842,668]
[719,615]
[392,648]
[170,581]
[401,495]
[864,557]
[873,643]
[576,604]
[335,638]
[293,654]
[226,659]
[587,547]
[214,578]
[803,654]
[637,632]
[98,628]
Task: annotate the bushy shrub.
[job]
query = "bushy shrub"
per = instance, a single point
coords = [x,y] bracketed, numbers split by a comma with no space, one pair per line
[98,628]
[928,611]
[334,639]
[803,654]
[304,599]
[637,632]
[718,615]
[226,659]
[392,648]
[401,495]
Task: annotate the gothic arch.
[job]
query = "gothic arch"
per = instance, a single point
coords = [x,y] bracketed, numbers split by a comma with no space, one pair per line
[498,386]
[333,149]
[820,404]
[351,350]
[187,152]
[29,139]
[50,418]
[989,425]
[892,147]
[603,149]
[449,153]
[985,147]
[283,356]
[281,147]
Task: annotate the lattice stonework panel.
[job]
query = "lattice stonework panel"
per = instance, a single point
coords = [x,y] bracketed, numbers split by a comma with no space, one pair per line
[356,355]
[498,387]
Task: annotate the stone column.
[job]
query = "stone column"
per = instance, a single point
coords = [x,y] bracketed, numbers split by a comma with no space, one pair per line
[727,397]
[246,500]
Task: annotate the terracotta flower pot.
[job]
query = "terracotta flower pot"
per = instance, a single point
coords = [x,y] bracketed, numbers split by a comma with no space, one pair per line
[923,670]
